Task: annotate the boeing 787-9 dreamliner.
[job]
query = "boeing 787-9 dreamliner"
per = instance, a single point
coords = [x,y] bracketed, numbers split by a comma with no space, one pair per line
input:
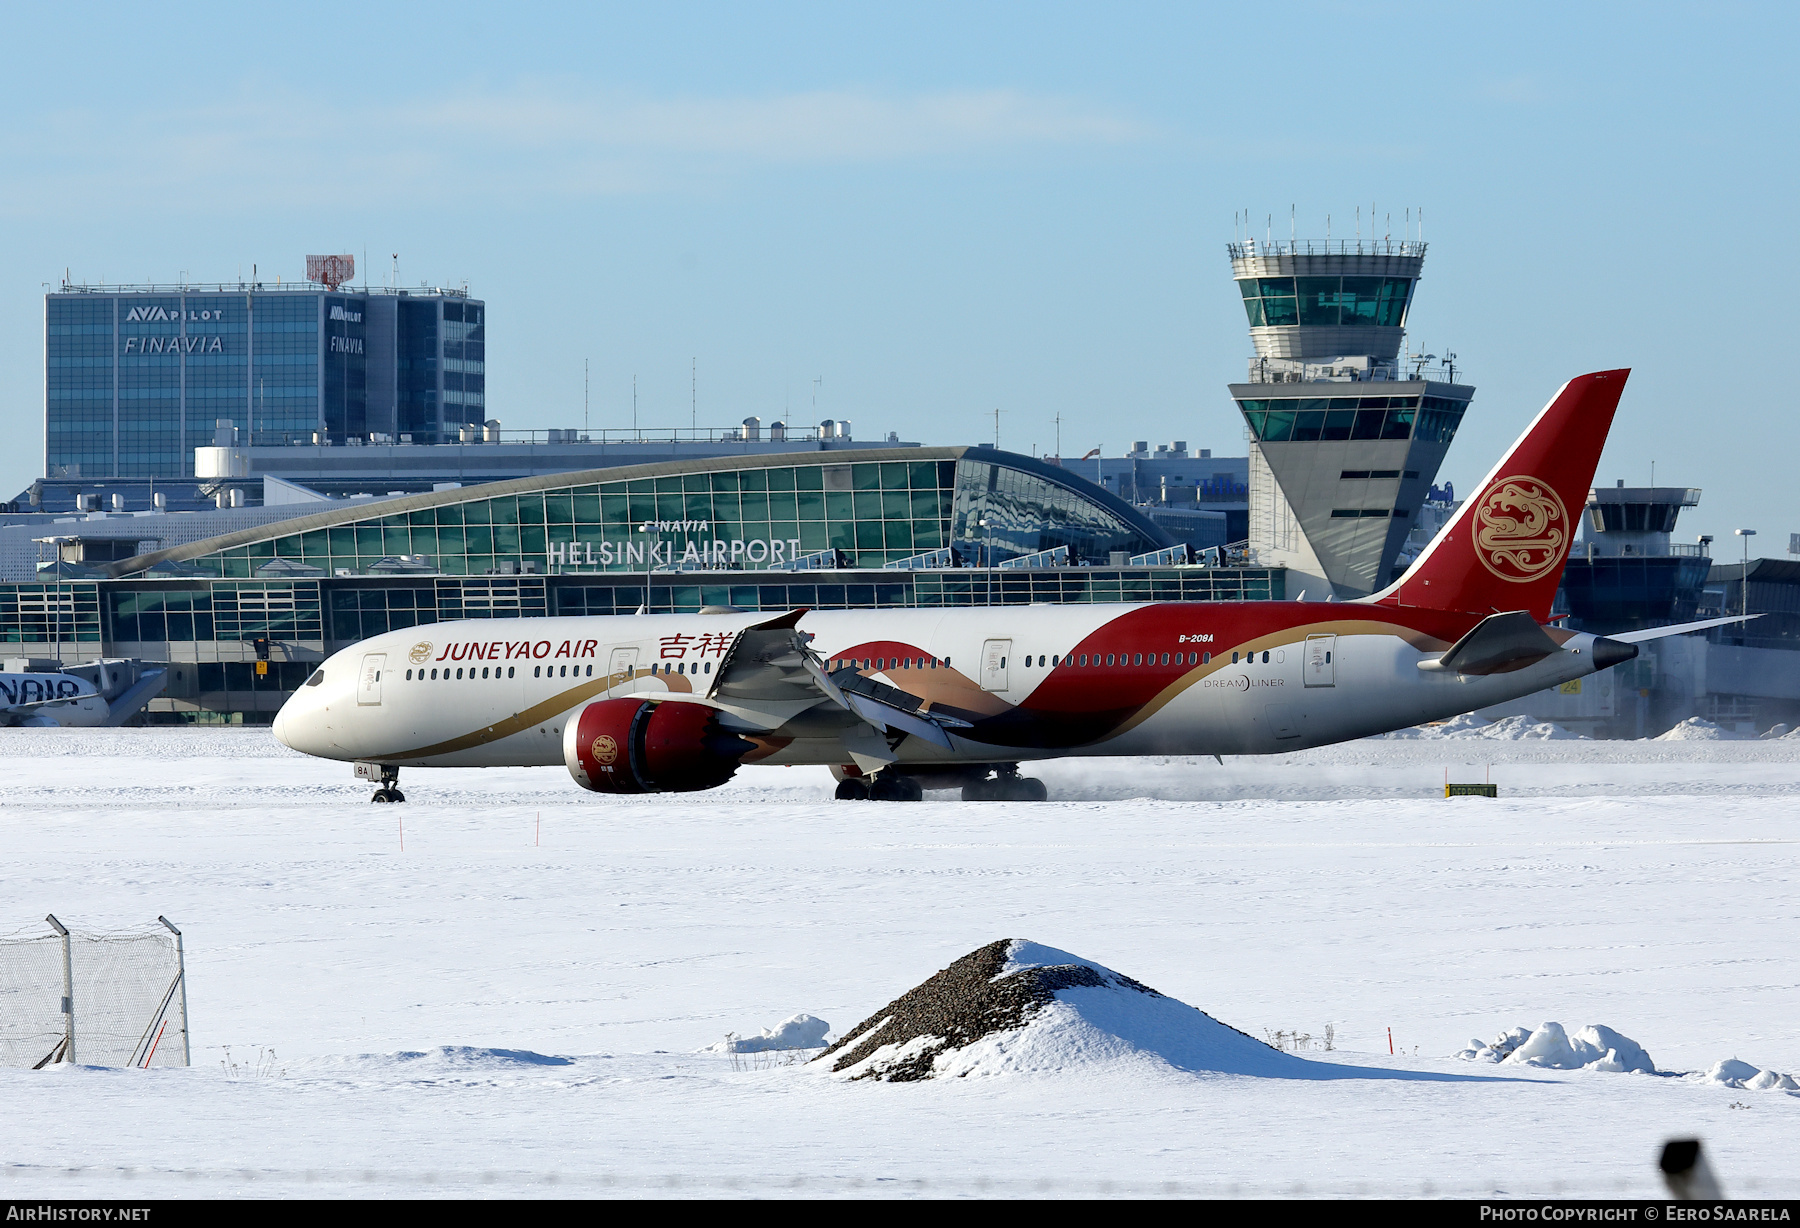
[901,700]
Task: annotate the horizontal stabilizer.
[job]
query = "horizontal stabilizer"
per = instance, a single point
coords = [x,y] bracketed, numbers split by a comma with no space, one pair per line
[1497,644]
[1657,633]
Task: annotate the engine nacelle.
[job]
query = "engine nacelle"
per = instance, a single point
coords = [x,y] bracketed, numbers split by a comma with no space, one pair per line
[637,745]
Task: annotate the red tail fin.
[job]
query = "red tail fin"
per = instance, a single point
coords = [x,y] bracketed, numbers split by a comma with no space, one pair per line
[1506,547]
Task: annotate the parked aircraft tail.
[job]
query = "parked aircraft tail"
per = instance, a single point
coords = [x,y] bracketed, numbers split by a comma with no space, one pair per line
[1506,546]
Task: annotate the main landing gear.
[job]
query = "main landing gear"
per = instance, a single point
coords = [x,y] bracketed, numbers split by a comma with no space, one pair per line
[1006,786]
[881,787]
[387,776]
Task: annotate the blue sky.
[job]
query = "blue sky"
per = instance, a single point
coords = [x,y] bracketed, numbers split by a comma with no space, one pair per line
[934,211]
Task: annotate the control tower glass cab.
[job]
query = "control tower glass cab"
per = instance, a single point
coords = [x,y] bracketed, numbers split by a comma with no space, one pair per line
[1628,572]
[1346,432]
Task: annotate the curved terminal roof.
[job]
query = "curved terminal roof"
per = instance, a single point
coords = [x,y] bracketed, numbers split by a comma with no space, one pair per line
[1035,500]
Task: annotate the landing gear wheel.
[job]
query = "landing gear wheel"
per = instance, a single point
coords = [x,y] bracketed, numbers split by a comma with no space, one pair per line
[1029,789]
[1006,787]
[387,778]
[851,789]
[888,787]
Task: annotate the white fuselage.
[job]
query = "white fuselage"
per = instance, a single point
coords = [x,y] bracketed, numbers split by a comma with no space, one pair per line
[48,699]
[1195,678]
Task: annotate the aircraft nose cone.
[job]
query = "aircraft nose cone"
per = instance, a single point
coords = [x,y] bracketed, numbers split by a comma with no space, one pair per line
[280,726]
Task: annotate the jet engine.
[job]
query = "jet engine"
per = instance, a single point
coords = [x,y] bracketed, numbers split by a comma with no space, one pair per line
[637,745]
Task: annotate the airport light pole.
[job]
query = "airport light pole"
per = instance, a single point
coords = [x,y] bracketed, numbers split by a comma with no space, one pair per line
[1744,578]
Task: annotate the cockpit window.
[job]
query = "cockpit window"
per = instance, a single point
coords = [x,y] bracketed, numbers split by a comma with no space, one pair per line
[317,678]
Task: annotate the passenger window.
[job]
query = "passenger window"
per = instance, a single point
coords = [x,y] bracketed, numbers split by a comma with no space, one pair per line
[1137,658]
[709,667]
[1205,658]
[1234,658]
[537,671]
[509,671]
[1109,658]
[1265,656]
[484,670]
[1084,658]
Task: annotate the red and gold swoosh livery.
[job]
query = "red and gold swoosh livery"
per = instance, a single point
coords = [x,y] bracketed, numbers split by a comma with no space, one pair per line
[900,700]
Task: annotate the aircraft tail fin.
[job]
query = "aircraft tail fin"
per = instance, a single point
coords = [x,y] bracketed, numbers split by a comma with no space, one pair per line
[1506,547]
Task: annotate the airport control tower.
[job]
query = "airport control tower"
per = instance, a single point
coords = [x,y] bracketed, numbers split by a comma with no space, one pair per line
[1346,433]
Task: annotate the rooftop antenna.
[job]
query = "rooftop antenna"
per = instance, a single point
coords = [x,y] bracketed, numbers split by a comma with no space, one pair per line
[1293,233]
[1327,232]
[634,404]
[997,412]
[1269,237]
[584,394]
[1058,421]
[1359,225]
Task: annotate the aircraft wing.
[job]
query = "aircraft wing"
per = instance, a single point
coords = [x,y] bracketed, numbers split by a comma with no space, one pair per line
[1657,633]
[771,671]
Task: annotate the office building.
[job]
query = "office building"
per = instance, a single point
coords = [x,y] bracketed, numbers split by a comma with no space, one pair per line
[137,377]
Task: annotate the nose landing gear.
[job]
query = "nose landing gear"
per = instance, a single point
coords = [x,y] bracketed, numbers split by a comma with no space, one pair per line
[387,776]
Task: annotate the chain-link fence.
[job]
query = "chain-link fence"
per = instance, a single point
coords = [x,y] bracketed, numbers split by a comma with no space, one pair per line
[101,999]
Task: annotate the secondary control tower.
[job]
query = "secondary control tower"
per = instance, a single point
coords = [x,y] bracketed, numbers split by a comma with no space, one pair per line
[1346,432]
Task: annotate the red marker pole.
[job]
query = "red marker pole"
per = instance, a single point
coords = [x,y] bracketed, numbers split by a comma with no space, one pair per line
[1390,1042]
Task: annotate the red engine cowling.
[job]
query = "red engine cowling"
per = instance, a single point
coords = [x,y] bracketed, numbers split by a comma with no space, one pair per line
[639,746]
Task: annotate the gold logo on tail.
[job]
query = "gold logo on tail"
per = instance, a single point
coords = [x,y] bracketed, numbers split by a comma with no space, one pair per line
[1521,529]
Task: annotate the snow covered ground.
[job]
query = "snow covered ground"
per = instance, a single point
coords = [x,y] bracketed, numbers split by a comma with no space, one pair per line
[491,1011]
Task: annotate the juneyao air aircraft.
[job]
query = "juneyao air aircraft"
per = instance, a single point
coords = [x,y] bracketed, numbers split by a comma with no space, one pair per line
[896,701]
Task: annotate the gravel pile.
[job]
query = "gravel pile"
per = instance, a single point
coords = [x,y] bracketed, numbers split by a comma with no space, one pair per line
[975,998]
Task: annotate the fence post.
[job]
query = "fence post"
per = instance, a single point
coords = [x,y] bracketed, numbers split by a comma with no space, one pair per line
[68,1002]
[181,972]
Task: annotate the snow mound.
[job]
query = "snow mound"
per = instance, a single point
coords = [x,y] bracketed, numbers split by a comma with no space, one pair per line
[1015,1007]
[1506,729]
[1778,730]
[1733,1073]
[1696,729]
[479,1058]
[801,1031]
[1528,729]
[1595,1047]
[1466,725]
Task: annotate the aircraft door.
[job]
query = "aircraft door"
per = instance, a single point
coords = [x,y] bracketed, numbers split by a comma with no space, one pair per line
[621,671]
[1321,669]
[368,685]
[994,664]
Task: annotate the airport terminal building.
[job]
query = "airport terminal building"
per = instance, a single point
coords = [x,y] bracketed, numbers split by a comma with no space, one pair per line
[902,527]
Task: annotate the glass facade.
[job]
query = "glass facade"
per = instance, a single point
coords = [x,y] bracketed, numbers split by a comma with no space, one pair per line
[741,518]
[465,365]
[1289,301]
[134,382]
[1429,419]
